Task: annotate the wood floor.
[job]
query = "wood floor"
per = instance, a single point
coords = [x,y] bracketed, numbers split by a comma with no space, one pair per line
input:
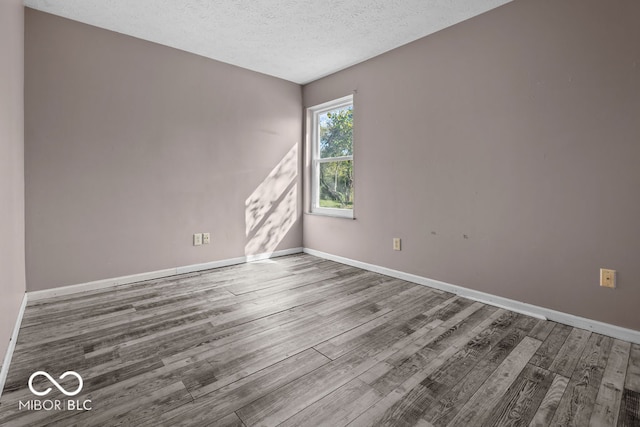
[300,341]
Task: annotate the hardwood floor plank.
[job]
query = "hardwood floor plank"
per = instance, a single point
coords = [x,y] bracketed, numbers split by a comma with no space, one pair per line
[629,415]
[522,399]
[284,279]
[216,405]
[397,406]
[101,377]
[542,330]
[307,321]
[461,364]
[478,408]
[348,341]
[253,355]
[386,296]
[244,331]
[230,420]
[447,405]
[551,345]
[632,381]
[224,313]
[218,337]
[133,411]
[577,403]
[416,342]
[338,408]
[569,354]
[400,369]
[462,327]
[607,404]
[294,397]
[111,331]
[166,343]
[549,405]
[358,336]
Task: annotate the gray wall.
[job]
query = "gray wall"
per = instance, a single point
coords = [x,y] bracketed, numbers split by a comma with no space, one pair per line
[131,147]
[520,129]
[12,282]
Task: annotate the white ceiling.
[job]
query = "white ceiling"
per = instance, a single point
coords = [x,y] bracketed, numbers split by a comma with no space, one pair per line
[296,40]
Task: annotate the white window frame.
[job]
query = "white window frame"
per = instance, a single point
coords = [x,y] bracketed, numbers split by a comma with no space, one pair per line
[314,112]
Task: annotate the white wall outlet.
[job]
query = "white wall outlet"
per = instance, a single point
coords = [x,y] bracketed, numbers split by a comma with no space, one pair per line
[206,238]
[396,244]
[197,239]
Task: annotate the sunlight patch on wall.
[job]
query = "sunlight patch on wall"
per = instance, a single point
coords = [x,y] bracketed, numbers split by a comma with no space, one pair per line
[272,208]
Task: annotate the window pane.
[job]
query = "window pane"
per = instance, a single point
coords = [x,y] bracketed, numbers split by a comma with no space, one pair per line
[336,132]
[336,185]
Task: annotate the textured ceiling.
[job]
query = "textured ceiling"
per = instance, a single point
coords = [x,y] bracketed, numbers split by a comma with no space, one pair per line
[296,40]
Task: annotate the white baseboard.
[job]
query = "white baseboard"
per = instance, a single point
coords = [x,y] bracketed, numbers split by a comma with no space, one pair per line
[124,280]
[509,304]
[99,284]
[4,371]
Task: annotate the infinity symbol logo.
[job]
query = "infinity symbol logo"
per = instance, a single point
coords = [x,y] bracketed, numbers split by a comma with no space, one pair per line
[55,383]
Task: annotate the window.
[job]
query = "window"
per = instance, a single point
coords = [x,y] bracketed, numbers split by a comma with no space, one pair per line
[332,157]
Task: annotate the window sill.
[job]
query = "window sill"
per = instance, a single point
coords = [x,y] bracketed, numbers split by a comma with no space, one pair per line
[328,215]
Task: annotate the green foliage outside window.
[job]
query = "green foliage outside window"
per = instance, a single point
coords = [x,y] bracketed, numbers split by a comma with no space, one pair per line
[336,176]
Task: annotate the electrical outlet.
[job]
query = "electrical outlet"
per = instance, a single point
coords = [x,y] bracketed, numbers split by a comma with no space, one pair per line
[197,239]
[396,244]
[206,238]
[607,278]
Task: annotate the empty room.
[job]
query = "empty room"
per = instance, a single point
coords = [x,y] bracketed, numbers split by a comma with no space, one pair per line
[339,213]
